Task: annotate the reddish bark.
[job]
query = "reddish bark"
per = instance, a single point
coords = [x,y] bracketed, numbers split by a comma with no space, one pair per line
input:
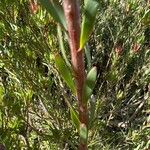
[72,14]
[136,47]
[33,6]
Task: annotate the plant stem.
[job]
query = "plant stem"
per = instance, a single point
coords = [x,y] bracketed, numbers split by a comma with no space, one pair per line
[72,14]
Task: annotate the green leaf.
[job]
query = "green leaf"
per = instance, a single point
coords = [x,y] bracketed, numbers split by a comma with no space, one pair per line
[146,18]
[91,7]
[1,93]
[55,10]
[112,76]
[89,84]
[75,118]
[83,133]
[73,114]
[88,56]
[65,72]
[92,111]
[61,45]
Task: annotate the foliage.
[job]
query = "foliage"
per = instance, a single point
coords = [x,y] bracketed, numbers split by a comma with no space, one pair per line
[33,109]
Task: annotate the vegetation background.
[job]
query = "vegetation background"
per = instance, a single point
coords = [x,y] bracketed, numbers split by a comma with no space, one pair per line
[33,112]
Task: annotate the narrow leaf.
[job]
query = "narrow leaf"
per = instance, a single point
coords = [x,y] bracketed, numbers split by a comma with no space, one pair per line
[61,45]
[92,111]
[65,72]
[91,7]
[75,118]
[83,133]
[88,56]
[56,11]
[146,18]
[73,114]
[89,84]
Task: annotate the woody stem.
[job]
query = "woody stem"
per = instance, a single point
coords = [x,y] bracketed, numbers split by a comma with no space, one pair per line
[72,14]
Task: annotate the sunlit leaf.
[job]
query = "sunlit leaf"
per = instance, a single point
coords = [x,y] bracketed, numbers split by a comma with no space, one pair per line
[89,84]
[64,72]
[83,133]
[55,10]
[1,94]
[146,18]
[61,45]
[91,7]
[75,118]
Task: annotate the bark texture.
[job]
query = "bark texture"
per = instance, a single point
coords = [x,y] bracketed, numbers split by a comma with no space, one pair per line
[72,14]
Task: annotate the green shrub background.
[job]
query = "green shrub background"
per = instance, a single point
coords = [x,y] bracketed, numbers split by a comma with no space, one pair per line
[33,112]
